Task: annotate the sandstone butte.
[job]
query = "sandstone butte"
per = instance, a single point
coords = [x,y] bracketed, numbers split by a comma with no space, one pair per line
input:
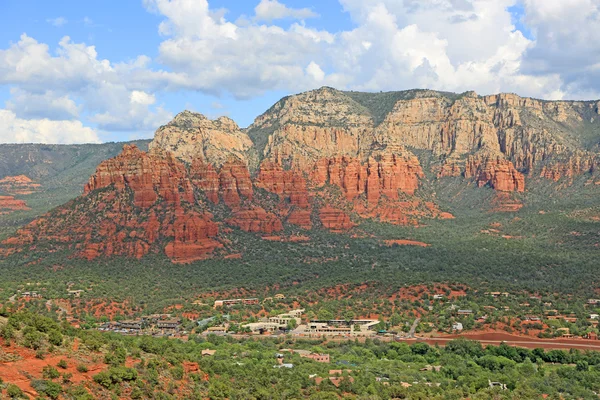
[21,184]
[9,204]
[320,159]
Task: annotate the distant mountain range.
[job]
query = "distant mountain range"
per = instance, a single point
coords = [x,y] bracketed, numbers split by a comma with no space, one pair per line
[323,159]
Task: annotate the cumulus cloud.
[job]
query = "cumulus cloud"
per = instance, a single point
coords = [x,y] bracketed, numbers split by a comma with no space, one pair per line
[112,94]
[217,56]
[566,43]
[16,130]
[315,71]
[394,45]
[269,10]
[47,105]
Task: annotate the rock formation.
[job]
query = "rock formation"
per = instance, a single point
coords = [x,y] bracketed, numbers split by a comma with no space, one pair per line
[18,185]
[9,204]
[256,220]
[192,136]
[320,159]
[334,219]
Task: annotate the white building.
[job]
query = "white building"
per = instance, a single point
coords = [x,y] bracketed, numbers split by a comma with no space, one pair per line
[457,326]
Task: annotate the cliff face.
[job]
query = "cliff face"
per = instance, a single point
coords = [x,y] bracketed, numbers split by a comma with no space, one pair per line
[192,136]
[493,140]
[326,160]
[132,205]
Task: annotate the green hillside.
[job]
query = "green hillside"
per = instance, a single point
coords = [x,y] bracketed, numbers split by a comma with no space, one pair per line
[62,170]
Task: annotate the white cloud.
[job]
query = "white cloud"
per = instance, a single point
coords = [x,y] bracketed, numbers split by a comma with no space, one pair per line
[140,97]
[16,130]
[58,22]
[315,71]
[112,94]
[217,56]
[566,43]
[48,105]
[395,45]
[269,10]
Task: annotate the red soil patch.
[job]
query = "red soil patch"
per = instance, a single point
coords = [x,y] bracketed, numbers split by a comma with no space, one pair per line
[233,256]
[272,238]
[28,367]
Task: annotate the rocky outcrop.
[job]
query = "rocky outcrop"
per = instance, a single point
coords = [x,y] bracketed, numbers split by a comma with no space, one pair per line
[335,220]
[194,238]
[568,169]
[320,159]
[314,129]
[132,204]
[206,178]
[498,173]
[18,185]
[301,218]
[9,204]
[149,175]
[235,184]
[191,136]
[322,123]
[290,185]
[256,220]
[386,174]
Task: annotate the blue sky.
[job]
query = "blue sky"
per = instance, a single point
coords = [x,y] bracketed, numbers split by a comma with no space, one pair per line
[73,71]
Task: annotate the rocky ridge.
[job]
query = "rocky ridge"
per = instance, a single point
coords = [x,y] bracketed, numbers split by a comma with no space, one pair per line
[320,159]
[18,185]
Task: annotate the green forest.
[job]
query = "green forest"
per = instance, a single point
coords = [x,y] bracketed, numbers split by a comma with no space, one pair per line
[147,367]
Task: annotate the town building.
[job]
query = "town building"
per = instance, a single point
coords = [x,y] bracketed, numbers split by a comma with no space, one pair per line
[131,324]
[232,302]
[216,330]
[208,352]
[361,327]
[457,326]
[592,336]
[169,324]
[280,322]
[322,358]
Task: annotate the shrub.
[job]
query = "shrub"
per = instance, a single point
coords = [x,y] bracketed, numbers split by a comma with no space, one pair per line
[49,372]
[115,375]
[55,338]
[103,379]
[62,364]
[177,372]
[49,388]
[7,332]
[33,340]
[14,392]
[82,368]
[66,378]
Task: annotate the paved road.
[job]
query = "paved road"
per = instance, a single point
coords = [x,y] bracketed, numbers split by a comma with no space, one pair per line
[524,343]
[411,332]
